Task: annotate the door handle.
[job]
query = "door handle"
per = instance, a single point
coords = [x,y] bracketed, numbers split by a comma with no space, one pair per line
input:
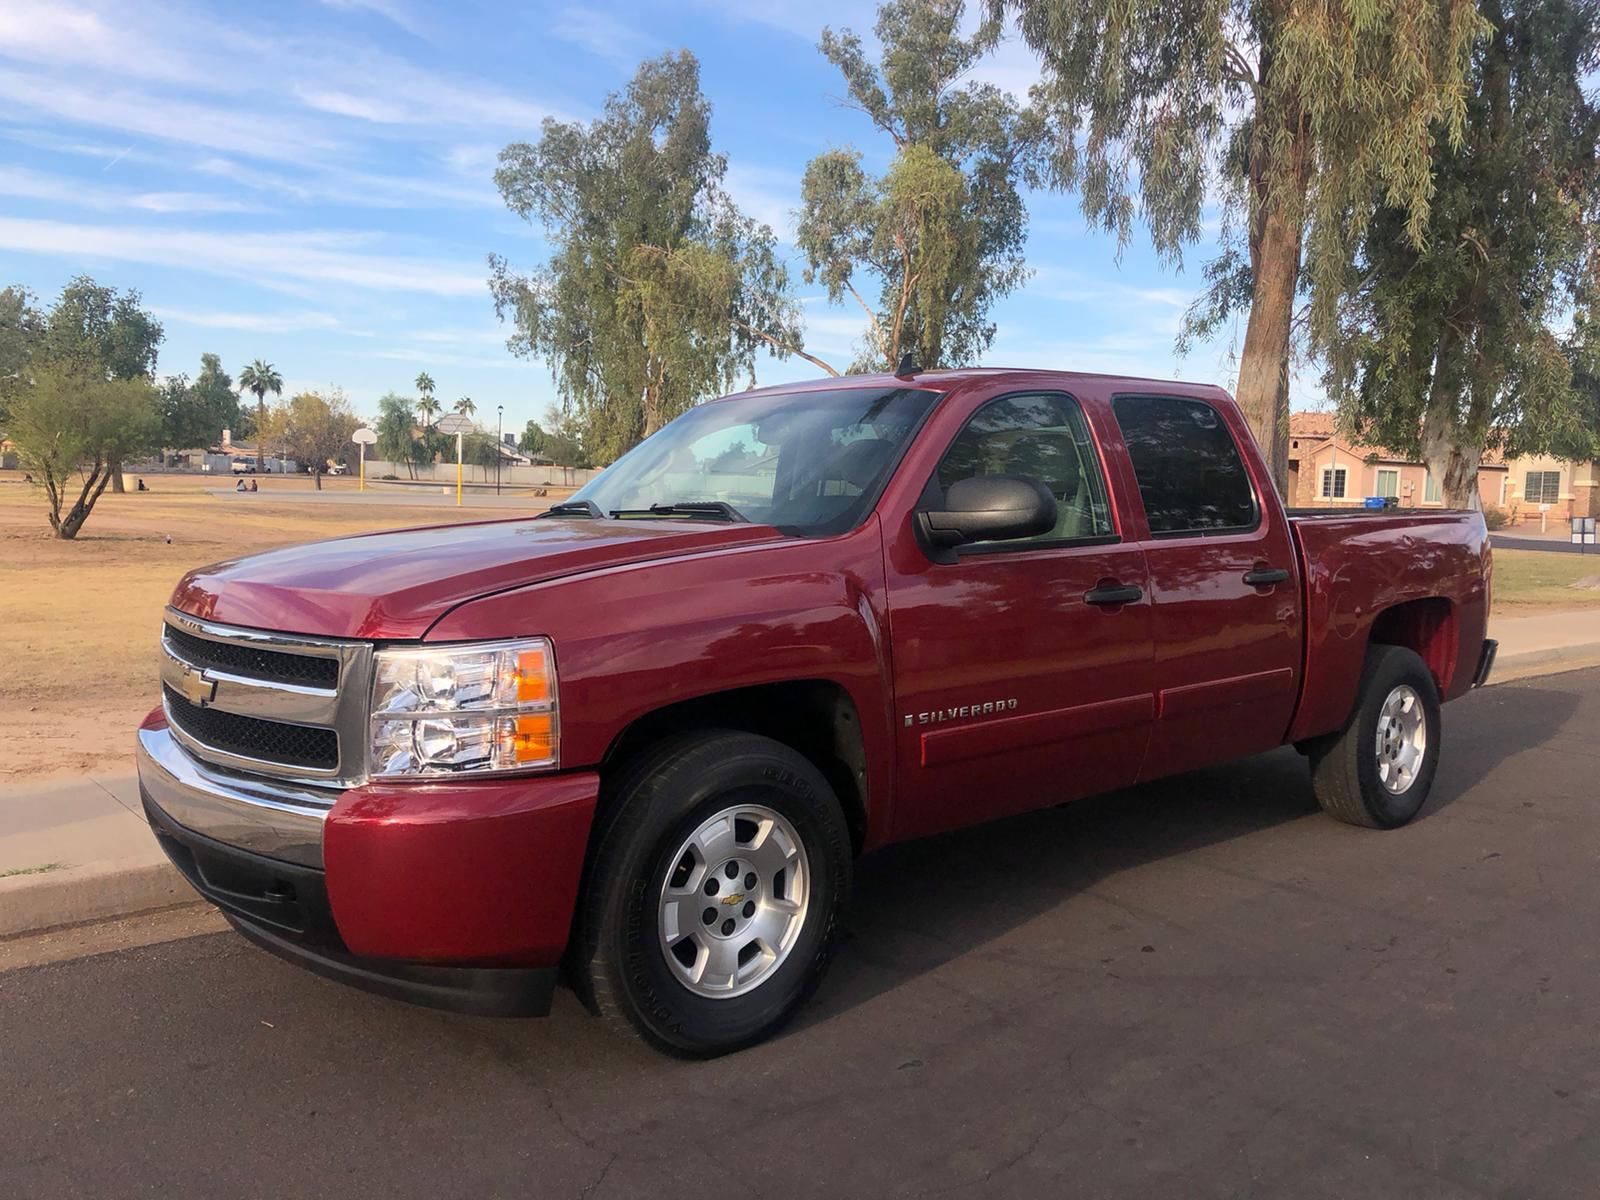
[1113,593]
[1266,576]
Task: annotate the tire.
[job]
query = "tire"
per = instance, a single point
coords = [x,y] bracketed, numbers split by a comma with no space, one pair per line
[665,860]
[1373,773]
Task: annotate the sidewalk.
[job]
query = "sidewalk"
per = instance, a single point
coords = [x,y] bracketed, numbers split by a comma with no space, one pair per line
[78,850]
[74,850]
[1544,644]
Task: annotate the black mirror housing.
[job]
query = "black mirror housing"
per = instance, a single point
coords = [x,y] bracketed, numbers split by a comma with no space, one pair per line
[989,508]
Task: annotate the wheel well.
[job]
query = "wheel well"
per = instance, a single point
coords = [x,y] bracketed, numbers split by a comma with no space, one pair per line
[1427,627]
[816,718]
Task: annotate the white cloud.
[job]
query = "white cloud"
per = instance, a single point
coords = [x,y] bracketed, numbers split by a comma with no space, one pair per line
[426,355]
[190,202]
[49,32]
[249,322]
[384,8]
[383,89]
[477,159]
[1012,67]
[1068,285]
[83,65]
[802,20]
[269,259]
[342,104]
[769,194]
[603,35]
[461,337]
[834,334]
[355,189]
[159,116]
[25,184]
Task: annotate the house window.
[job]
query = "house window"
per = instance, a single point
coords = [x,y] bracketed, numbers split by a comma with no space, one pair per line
[1431,493]
[1388,483]
[1542,487]
[1333,483]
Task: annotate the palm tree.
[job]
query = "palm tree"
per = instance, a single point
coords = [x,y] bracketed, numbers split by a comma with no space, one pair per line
[261,377]
[425,386]
[428,408]
[466,407]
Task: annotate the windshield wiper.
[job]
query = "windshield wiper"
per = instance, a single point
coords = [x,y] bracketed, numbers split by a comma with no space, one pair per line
[573,508]
[686,508]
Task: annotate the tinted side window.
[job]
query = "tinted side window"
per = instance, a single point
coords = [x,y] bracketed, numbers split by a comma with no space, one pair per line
[1189,470]
[1044,437]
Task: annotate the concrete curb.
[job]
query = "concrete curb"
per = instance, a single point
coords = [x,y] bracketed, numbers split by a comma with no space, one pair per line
[1509,668]
[93,892]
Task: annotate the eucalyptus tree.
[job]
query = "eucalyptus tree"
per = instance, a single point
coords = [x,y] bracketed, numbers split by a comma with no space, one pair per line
[1308,112]
[658,292]
[928,246]
[1451,348]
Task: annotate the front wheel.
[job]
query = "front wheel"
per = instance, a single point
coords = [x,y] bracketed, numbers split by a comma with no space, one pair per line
[717,884]
[1378,770]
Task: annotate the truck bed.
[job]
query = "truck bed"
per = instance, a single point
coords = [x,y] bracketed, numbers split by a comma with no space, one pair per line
[1429,568]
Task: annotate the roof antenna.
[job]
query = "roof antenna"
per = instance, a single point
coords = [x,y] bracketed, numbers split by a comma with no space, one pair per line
[908,365]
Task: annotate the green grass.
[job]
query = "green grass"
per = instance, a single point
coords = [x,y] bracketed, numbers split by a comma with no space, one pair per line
[41,869]
[1542,579]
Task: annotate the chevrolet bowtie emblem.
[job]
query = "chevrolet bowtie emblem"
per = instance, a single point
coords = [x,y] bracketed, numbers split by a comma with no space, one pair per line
[197,687]
[733,897]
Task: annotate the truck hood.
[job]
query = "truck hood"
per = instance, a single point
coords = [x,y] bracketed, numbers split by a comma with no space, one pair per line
[396,585]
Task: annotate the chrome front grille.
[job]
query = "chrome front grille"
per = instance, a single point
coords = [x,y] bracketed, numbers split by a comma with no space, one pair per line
[267,703]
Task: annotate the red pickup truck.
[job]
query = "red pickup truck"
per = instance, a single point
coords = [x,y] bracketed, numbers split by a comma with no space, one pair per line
[637,740]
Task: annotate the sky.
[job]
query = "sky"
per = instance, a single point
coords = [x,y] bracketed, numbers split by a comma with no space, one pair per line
[310,182]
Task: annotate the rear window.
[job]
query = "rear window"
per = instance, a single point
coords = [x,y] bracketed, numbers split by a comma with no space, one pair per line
[1190,474]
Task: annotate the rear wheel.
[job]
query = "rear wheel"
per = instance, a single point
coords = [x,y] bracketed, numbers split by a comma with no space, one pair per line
[1378,770]
[717,884]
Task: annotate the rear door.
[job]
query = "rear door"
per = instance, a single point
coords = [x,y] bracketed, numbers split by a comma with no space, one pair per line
[1022,668]
[1226,615]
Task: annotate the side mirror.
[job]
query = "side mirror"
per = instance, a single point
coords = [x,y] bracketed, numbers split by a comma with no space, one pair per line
[989,508]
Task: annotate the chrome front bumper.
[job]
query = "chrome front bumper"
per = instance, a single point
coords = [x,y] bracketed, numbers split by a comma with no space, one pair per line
[273,818]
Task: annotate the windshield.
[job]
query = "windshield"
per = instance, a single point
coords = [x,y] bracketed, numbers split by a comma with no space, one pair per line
[809,462]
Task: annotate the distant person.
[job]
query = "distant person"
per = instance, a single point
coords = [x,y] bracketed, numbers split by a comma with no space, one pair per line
[254,487]
[239,487]
[142,487]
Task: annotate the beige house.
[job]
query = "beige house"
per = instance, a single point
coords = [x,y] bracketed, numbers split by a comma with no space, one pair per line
[1327,471]
[1570,489]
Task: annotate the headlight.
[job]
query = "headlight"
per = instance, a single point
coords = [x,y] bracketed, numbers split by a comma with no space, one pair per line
[452,710]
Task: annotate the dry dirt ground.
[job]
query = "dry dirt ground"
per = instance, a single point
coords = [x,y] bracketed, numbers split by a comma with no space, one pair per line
[79,619]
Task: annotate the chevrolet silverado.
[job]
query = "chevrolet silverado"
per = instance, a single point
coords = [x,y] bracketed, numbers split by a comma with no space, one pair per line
[637,741]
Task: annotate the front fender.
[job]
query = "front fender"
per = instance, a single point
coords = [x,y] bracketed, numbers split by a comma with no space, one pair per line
[635,639]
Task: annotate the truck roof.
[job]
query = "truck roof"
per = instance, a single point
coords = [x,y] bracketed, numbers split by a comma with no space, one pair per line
[946,379]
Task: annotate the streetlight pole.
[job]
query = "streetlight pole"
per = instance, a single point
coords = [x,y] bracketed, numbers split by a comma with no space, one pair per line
[499,442]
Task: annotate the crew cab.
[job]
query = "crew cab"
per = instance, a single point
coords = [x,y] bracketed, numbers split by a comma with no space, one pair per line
[637,741]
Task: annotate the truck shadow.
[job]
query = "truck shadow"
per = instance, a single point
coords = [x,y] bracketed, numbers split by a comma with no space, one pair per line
[920,905]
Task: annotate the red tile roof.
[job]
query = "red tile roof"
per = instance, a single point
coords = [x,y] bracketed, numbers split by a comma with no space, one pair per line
[1321,426]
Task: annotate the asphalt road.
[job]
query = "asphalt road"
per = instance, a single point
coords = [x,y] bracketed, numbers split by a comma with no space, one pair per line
[1197,989]
[1510,542]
